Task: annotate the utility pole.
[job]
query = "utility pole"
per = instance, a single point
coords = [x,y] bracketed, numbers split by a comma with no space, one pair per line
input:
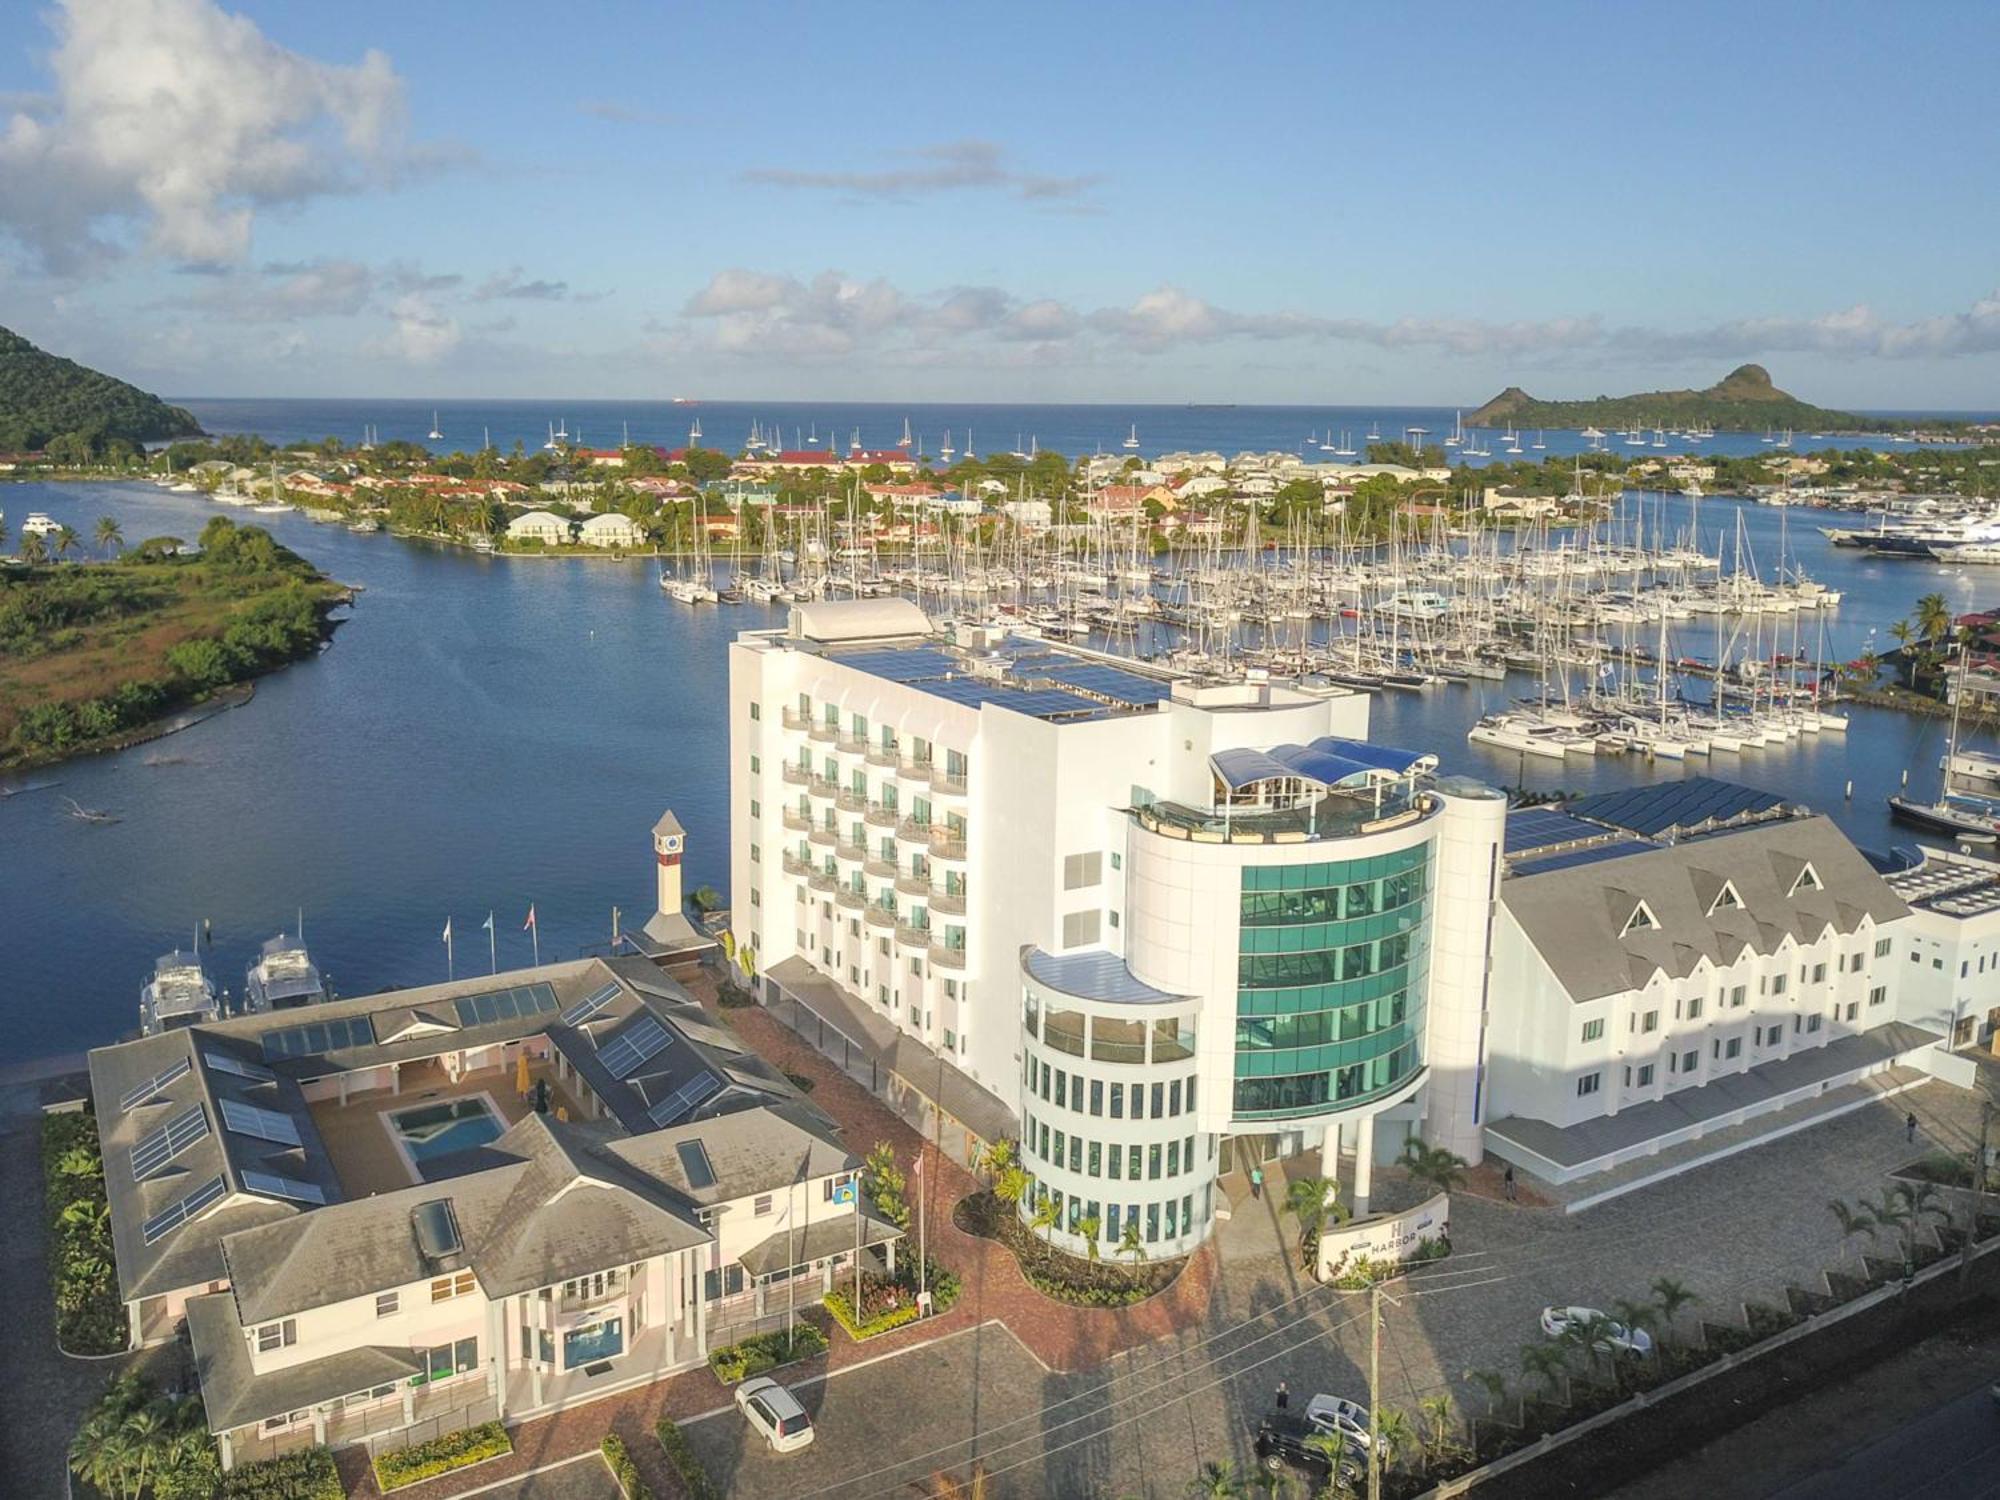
[1978,1193]
[1375,1296]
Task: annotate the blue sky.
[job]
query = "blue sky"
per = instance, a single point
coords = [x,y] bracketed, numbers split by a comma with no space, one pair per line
[1304,204]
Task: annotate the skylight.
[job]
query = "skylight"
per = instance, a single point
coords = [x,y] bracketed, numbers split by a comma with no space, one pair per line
[694,1162]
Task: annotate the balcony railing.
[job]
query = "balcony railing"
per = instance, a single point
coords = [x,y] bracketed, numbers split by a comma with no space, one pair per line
[880,868]
[854,744]
[945,781]
[824,732]
[850,898]
[796,866]
[849,800]
[950,958]
[797,821]
[910,828]
[913,937]
[793,719]
[823,786]
[951,903]
[823,836]
[883,755]
[947,845]
[882,815]
[845,850]
[913,885]
[915,770]
[823,880]
[798,775]
[880,915]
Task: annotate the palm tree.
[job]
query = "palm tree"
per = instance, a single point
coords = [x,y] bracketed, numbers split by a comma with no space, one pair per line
[1591,1337]
[1010,1186]
[1216,1481]
[1394,1434]
[1442,1169]
[1894,1215]
[1852,1222]
[1343,1473]
[3,534]
[998,1157]
[1494,1384]
[34,549]
[1312,1201]
[1275,1484]
[1046,1217]
[1129,1243]
[1088,1227]
[1670,1296]
[66,540]
[1438,1426]
[1933,617]
[1635,1316]
[109,534]
[1920,1200]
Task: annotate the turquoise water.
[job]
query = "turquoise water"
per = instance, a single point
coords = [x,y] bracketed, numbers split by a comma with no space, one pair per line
[488,732]
[440,1129]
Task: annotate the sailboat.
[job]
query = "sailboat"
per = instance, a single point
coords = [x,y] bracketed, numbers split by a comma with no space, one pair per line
[1538,443]
[694,433]
[1970,820]
[945,449]
[1346,448]
[551,445]
[562,429]
[435,433]
[905,440]
[1457,430]
[1132,437]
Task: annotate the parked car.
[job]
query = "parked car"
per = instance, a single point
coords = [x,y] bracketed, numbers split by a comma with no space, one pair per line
[775,1412]
[1338,1414]
[1285,1441]
[1556,1321]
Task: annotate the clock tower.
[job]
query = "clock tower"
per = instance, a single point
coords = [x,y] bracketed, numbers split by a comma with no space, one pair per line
[669,843]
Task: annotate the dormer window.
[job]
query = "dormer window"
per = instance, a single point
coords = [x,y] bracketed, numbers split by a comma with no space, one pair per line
[1641,920]
[1808,881]
[1726,899]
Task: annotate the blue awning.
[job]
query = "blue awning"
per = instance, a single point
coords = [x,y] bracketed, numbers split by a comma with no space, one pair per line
[1327,760]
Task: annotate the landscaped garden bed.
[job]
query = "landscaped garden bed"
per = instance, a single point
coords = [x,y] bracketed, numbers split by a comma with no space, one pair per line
[90,1319]
[766,1351]
[680,1453]
[1056,1274]
[618,1459]
[455,1450]
[891,1301]
[307,1475]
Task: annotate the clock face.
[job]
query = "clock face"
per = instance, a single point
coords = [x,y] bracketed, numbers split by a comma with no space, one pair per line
[673,843]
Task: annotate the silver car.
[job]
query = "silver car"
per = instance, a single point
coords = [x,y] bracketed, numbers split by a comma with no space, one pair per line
[775,1412]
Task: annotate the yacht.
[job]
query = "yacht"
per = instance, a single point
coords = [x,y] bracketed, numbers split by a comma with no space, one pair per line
[1132,437]
[283,978]
[180,993]
[689,590]
[39,524]
[436,432]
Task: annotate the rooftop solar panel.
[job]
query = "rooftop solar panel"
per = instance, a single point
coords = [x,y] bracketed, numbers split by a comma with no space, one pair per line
[272,1185]
[263,1124]
[316,1037]
[632,1047]
[1674,805]
[589,1006]
[161,1146]
[145,1091]
[228,1062]
[1540,827]
[504,1005]
[175,1214]
[1109,682]
[685,1100]
[902,666]
[1583,856]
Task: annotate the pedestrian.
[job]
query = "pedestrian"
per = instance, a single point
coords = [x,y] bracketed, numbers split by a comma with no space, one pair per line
[1284,1396]
[1256,1182]
[1910,1126]
[1507,1182]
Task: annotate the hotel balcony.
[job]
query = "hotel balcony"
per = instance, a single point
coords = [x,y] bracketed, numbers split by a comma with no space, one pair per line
[881,916]
[851,801]
[884,755]
[850,898]
[853,744]
[796,866]
[947,845]
[797,821]
[798,775]
[1337,815]
[880,868]
[949,958]
[915,770]
[913,885]
[823,786]
[950,903]
[913,937]
[823,880]
[951,786]
[881,815]
[825,733]
[845,850]
[910,828]
[794,719]
[823,836]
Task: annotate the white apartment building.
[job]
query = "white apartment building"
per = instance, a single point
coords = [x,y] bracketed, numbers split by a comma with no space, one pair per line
[1949,955]
[1656,985]
[1119,914]
[367,1228]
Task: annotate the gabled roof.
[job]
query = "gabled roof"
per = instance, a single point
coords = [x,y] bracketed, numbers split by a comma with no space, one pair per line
[1577,922]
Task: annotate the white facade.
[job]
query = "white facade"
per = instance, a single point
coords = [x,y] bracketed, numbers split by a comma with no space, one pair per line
[611,529]
[538,526]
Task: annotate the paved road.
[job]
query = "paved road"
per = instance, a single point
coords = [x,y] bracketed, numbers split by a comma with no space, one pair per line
[1952,1453]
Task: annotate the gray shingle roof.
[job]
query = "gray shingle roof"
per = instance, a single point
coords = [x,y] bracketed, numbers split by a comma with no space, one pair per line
[1577,917]
[233,1395]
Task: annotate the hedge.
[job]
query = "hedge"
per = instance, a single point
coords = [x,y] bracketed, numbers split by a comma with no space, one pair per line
[455,1450]
[766,1351]
[90,1318]
[838,1303]
[307,1475]
[694,1478]
[618,1458]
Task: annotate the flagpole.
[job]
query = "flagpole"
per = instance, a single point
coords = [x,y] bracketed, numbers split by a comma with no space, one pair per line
[449,971]
[492,943]
[535,932]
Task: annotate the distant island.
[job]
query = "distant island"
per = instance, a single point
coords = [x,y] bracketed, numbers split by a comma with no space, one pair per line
[1742,401]
[76,413]
[94,654]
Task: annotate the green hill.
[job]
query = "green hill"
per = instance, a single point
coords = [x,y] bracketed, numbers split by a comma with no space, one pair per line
[44,396]
[1744,400]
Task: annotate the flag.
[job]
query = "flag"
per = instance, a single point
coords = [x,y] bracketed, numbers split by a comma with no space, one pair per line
[487,925]
[447,931]
[531,917]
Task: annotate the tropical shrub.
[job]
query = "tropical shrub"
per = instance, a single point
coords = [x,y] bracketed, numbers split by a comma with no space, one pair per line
[694,1478]
[136,1440]
[455,1450]
[766,1351]
[307,1475]
[618,1458]
[90,1318]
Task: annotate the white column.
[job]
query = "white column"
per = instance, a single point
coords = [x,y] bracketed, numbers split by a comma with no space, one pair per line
[1464,877]
[1364,1162]
[497,1352]
[227,1448]
[1329,1151]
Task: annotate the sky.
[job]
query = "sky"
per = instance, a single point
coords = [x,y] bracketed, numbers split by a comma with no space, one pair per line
[1301,204]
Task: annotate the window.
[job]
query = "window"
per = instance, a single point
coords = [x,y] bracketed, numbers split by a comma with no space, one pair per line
[1694,1009]
[756,855]
[1819,973]
[446,1287]
[447,1360]
[1650,1021]
[1173,1158]
[1645,1075]
[760,1206]
[277,1335]
[1778,983]
[1117,1164]
[387,1304]
[1117,1101]
[1159,1100]
[1725,899]
[1733,1047]
[1082,870]
[1588,1084]
[1096,1089]
[1641,920]
[1882,946]
[1877,995]
[1688,1061]
[1117,863]
[756,765]
[1062,1090]
[1080,928]
[1076,1153]
[1812,1023]
[1593,1030]
[1095,1166]
[1853,1009]
[1736,997]
[756,711]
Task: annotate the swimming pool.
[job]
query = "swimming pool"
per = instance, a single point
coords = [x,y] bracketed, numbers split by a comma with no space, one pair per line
[432,1130]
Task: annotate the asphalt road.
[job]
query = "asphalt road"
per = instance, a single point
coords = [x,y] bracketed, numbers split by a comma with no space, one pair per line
[1950,1453]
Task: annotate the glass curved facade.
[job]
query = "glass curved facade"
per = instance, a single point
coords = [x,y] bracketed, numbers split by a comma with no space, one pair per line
[1331,965]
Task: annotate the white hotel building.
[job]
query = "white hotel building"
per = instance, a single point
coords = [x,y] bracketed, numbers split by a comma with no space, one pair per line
[1120,915]
[1025,890]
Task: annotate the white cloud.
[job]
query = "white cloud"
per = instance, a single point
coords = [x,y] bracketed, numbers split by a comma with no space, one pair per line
[511,285]
[955,166]
[181,120]
[423,332]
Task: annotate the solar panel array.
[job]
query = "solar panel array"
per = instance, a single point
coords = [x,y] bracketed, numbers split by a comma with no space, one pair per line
[272,1185]
[1541,827]
[263,1124]
[903,666]
[685,1100]
[1110,682]
[694,1162]
[942,674]
[316,1037]
[1587,856]
[227,1062]
[589,1006]
[1670,805]
[142,1093]
[178,1213]
[159,1147]
[505,1005]
[632,1047]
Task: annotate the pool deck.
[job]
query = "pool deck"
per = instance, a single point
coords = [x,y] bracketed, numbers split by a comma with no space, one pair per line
[362,1144]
